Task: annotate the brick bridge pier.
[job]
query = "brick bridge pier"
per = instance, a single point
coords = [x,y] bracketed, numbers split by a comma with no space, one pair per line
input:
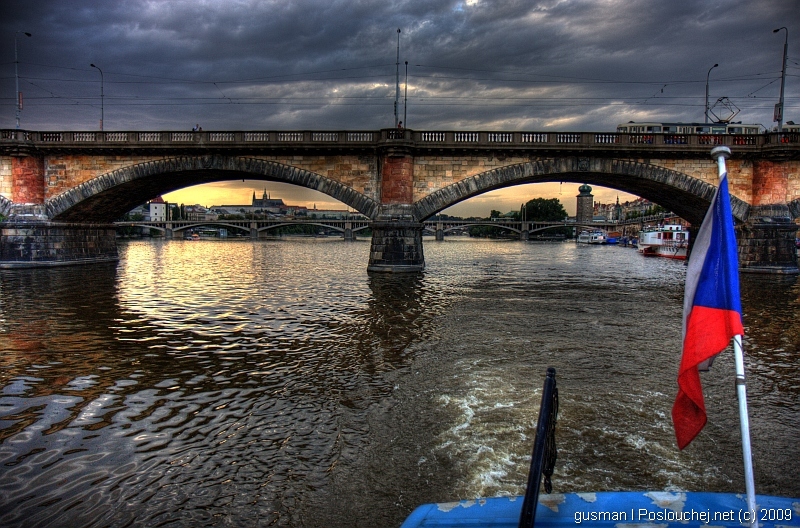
[61,191]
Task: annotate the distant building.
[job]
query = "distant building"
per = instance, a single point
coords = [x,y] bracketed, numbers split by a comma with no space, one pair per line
[199,213]
[261,206]
[267,204]
[584,212]
[158,210]
[141,212]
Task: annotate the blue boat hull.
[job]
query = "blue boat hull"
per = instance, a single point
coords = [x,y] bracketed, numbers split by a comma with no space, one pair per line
[662,509]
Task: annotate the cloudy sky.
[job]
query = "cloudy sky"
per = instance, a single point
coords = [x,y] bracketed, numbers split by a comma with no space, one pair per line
[555,65]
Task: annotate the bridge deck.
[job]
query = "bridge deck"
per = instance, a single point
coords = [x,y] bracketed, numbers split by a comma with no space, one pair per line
[598,143]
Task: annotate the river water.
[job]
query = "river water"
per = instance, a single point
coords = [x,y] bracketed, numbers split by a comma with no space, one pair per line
[277,383]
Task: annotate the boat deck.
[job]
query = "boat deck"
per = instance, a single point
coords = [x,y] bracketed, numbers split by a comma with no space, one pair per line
[632,508]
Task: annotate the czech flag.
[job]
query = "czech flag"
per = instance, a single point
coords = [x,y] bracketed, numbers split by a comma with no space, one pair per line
[712,311]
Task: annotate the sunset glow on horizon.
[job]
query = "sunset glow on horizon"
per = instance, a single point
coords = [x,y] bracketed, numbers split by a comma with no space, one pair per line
[504,200]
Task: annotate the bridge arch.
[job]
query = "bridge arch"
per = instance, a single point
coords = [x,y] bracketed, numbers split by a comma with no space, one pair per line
[482,224]
[5,206]
[109,196]
[687,197]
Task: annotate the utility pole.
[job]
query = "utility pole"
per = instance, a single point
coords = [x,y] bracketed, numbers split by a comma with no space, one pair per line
[779,109]
[397,84]
[102,104]
[18,99]
[707,76]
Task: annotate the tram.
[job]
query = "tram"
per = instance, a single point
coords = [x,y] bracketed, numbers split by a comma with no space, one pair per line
[791,128]
[691,128]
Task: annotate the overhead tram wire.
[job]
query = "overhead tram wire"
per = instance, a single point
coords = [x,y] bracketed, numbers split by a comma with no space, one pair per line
[556,78]
[195,81]
[538,101]
[387,101]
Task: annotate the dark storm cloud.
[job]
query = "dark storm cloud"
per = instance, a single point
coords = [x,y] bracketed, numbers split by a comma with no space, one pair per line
[476,64]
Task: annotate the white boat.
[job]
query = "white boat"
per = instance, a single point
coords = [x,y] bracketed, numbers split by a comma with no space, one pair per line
[670,241]
[592,237]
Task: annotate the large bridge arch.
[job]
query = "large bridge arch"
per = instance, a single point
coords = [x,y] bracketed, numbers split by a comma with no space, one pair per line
[107,197]
[688,197]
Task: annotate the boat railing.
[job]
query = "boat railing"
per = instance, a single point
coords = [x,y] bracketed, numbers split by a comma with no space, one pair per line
[543,460]
[675,243]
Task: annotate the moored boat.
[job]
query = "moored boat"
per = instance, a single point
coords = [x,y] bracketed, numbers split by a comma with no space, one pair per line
[591,237]
[669,241]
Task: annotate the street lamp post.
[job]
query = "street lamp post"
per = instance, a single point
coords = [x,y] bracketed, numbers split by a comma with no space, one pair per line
[102,105]
[16,72]
[707,75]
[405,100]
[779,109]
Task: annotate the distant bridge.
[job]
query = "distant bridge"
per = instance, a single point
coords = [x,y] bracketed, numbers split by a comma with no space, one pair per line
[348,227]
[60,192]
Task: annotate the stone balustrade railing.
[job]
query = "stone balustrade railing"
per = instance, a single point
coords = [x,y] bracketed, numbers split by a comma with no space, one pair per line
[441,139]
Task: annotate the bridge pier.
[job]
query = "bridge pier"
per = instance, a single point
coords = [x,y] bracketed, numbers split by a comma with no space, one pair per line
[396,231]
[396,245]
[28,238]
[30,244]
[766,241]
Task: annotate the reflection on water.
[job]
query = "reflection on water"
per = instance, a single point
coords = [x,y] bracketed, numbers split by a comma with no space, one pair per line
[238,383]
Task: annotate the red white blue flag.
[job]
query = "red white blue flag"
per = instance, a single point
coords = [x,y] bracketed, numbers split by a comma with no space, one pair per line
[712,311]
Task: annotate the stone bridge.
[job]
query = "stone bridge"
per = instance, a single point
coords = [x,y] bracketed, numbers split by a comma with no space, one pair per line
[61,191]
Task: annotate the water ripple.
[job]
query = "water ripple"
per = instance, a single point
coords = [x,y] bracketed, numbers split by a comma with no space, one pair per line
[257,383]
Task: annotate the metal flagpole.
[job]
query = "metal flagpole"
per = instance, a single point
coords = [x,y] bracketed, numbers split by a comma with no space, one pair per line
[721,153]
[744,424]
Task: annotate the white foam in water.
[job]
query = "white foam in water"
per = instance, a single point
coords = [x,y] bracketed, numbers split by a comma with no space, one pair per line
[487,429]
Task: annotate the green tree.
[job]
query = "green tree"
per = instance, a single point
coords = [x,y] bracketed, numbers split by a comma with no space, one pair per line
[545,210]
[654,210]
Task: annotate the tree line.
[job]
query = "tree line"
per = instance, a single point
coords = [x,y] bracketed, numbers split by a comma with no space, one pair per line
[535,210]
